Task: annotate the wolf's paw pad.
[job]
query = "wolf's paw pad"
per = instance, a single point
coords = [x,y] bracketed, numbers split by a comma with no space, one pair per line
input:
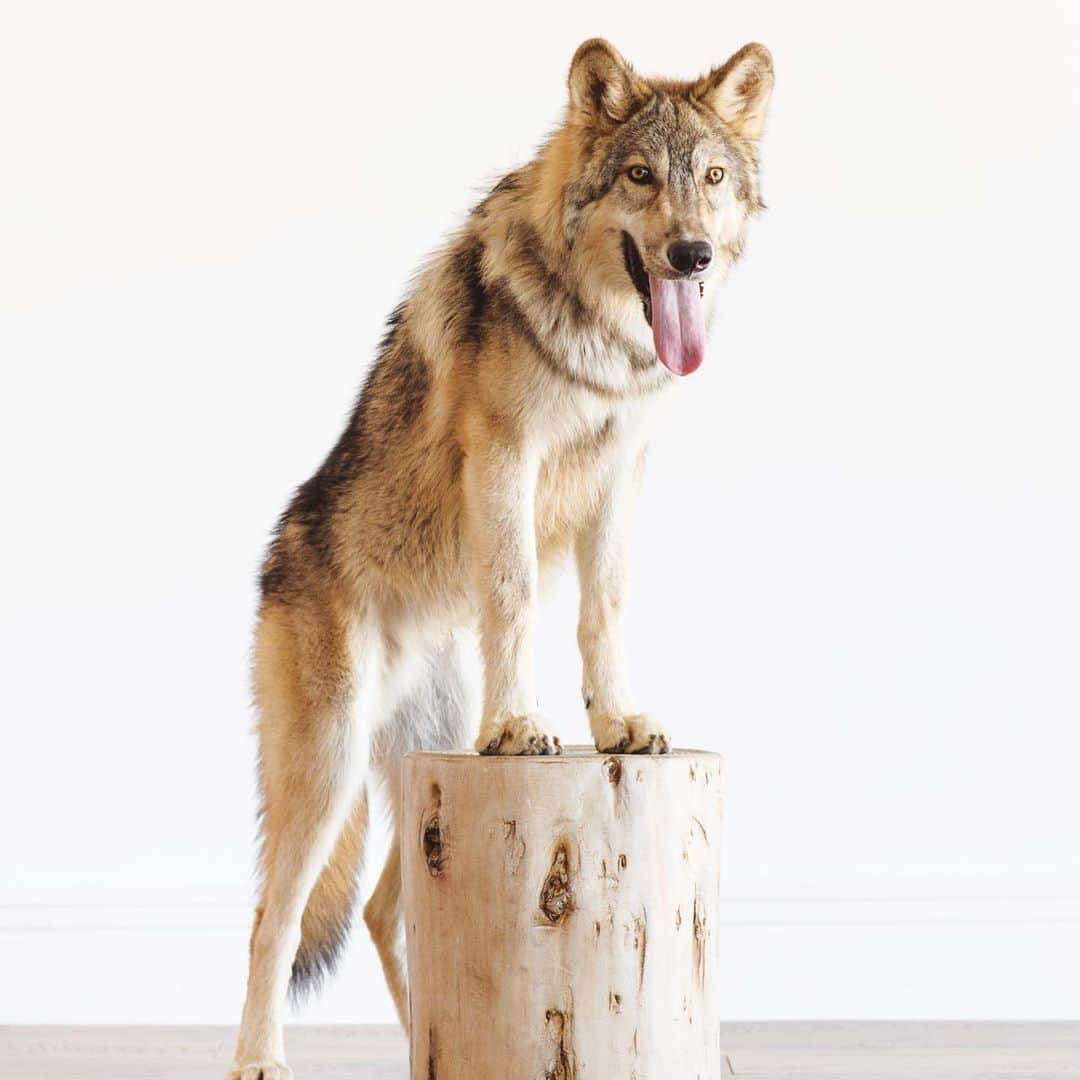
[638,734]
[261,1070]
[526,734]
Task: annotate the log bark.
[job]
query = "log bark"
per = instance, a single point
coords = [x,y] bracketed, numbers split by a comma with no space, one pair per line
[561,916]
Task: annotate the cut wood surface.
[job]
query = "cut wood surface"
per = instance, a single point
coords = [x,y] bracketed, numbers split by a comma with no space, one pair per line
[560,915]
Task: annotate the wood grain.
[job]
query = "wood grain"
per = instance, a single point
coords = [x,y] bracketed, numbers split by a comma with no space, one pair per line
[561,915]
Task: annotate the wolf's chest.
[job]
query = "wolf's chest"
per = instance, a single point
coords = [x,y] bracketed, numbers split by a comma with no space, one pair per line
[574,478]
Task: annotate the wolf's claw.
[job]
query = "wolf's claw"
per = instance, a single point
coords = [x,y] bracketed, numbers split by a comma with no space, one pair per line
[520,735]
[636,734]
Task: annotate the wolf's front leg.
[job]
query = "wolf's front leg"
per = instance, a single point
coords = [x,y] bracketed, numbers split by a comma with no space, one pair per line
[617,726]
[500,499]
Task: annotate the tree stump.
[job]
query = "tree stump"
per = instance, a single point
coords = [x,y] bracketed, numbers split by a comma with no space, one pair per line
[561,916]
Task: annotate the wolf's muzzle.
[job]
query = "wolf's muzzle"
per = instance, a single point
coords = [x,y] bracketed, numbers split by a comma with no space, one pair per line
[690,256]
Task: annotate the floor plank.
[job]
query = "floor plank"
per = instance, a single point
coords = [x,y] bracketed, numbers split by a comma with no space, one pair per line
[770,1051]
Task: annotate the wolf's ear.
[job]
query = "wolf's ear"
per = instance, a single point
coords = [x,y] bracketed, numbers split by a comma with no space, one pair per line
[739,91]
[604,90]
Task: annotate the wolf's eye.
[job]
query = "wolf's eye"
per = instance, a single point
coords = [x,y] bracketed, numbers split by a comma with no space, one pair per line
[714,175]
[640,174]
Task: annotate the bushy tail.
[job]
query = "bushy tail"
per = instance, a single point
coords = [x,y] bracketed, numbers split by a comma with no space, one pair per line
[328,915]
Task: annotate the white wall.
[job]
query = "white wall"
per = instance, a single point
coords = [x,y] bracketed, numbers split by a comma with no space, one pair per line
[206,210]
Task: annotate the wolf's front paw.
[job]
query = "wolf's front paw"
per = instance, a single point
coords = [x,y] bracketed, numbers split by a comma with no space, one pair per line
[528,734]
[261,1070]
[637,734]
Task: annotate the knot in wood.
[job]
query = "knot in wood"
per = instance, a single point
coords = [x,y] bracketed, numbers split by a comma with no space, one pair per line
[432,842]
[560,1025]
[556,895]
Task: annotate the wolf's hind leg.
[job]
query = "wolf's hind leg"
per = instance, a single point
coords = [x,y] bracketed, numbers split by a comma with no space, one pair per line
[384,916]
[313,756]
[434,715]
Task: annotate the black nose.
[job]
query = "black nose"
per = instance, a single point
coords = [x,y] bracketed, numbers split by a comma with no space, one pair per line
[690,256]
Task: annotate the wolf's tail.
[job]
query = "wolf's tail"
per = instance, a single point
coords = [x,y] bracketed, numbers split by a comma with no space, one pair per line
[324,928]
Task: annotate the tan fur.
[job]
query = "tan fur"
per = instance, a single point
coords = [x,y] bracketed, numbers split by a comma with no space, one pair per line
[504,425]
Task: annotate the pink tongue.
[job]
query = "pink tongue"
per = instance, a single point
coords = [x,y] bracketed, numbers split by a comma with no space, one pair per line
[678,324]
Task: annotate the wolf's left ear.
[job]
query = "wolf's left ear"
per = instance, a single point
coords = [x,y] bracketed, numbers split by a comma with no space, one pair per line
[739,91]
[604,90]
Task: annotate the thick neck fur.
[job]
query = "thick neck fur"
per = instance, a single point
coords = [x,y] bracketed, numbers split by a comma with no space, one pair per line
[569,297]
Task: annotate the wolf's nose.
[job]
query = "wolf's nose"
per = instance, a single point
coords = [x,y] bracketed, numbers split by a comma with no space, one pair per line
[690,256]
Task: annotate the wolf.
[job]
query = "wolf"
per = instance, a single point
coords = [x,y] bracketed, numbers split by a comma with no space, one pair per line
[503,426]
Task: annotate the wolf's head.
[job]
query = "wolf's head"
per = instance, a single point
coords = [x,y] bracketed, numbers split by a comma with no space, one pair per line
[659,180]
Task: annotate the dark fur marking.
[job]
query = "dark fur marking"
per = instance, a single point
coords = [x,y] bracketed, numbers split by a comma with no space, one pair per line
[537,272]
[510,309]
[389,404]
[274,576]
[519,322]
[467,266]
[315,962]
[508,185]
[392,324]
[510,182]
[558,298]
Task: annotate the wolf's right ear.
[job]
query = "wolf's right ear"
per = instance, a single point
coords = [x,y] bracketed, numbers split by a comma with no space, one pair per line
[604,90]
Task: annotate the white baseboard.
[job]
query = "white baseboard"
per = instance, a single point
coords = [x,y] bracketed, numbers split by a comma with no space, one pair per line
[789,955]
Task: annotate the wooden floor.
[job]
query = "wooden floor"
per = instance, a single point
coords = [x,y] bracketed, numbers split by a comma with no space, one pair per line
[774,1051]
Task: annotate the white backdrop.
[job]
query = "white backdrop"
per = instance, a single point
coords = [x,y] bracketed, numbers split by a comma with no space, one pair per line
[206,211]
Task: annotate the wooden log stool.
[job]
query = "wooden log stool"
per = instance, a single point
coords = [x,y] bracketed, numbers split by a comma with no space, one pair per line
[561,915]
